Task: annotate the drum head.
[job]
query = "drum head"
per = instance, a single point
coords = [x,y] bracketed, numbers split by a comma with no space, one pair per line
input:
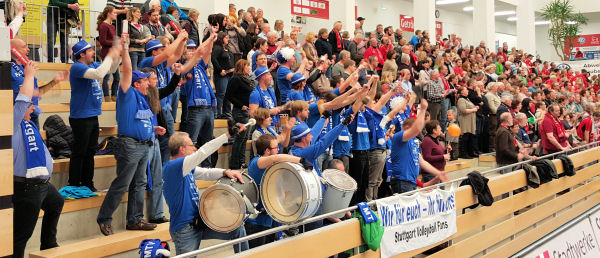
[283,192]
[222,208]
[339,179]
[248,188]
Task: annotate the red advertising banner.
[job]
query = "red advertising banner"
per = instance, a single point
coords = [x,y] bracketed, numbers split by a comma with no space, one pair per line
[438,29]
[588,47]
[311,8]
[407,23]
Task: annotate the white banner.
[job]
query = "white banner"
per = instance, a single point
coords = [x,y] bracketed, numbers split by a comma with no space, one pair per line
[416,221]
[592,66]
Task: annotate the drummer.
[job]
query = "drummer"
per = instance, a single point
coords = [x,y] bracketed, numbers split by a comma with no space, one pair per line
[267,147]
[181,193]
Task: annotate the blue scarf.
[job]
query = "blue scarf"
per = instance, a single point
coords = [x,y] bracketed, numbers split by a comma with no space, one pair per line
[268,105]
[35,154]
[143,110]
[361,123]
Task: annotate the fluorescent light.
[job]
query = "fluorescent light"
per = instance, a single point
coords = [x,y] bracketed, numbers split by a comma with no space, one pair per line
[502,13]
[513,18]
[570,22]
[542,22]
[443,2]
[468,8]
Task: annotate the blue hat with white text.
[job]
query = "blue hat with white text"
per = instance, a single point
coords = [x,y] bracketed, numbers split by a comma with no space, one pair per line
[153,45]
[79,48]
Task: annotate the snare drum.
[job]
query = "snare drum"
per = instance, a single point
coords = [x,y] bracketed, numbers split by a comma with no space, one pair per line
[289,193]
[225,205]
[338,191]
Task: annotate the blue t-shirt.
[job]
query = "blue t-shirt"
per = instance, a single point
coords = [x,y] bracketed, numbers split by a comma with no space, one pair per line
[17,74]
[376,133]
[86,94]
[264,99]
[294,95]
[360,140]
[405,158]
[343,143]
[198,90]
[263,219]
[163,74]
[282,83]
[308,94]
[313,114]
[134,117]
[181,194]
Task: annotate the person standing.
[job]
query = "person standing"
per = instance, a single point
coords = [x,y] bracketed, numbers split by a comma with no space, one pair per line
[155,28]
[85,107]
[135,133]
[107,35]
[467,121]
[222,61]
[335,39]
[136,37]
[432,150]
[32,168]
[191,25]
[56,22]
[554,135]
[238,92]
[122,8]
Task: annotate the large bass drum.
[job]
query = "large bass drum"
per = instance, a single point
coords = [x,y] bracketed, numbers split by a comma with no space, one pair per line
[225,205]
[339,189]
[289,193]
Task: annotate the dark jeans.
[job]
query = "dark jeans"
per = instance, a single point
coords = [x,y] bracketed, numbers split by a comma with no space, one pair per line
[136,58]
[56,23]
[483,134]
[252,229]
[27,200]
[184,113]
[85,143]
[493,127]
[132,161]
[359,170]
[174,104]
[401,186]
[200,127]
[223,105]
[435,110]
[238,150]
[115,84]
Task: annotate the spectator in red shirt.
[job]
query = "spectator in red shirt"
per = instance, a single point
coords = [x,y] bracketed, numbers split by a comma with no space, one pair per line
[373,51]
[386,45]
[554,135]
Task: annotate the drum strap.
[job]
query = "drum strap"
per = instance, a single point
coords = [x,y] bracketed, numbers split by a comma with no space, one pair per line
[367,214]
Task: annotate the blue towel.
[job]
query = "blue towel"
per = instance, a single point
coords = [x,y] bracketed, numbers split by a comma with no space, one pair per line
[76,192]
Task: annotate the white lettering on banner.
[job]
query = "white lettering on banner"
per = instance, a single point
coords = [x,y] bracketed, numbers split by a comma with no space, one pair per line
[592,66]
[578,240]
[416,221]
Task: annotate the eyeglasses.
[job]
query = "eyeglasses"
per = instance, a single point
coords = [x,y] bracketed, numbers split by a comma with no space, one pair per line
[274,148]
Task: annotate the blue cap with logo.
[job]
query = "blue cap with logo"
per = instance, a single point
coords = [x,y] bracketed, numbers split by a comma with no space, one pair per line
[299,131]
[153,45]
[79,48]
[137,75]
[260,71]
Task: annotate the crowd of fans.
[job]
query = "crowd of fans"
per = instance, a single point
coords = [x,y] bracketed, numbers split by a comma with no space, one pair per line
[372,103]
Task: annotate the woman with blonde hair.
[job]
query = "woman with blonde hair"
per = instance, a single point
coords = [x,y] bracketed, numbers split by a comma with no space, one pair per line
[137,42]
[278,27]
[309,47]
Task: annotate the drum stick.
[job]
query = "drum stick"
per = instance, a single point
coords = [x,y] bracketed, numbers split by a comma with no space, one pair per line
[251,121]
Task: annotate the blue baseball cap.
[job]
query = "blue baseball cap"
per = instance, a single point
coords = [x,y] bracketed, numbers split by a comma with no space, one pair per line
[191,44]
[137,75]
[297,77]
[260,71]
[152,45]
[79,48]
[299,131]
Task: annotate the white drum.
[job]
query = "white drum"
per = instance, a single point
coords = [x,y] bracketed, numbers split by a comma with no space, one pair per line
[289,193]
[339,189]
[225,205]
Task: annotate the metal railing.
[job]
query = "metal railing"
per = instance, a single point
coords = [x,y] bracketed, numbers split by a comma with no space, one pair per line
[455,182]
[43,22]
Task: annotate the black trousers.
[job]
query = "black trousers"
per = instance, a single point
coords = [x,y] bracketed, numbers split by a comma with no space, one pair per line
[238,150]
[85,144]
[27,200]
[252,229]
[359,170]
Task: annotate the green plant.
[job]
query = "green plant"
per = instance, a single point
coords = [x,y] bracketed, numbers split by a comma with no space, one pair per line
[564,26]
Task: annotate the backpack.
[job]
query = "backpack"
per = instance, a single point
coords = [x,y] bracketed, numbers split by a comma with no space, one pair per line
[106,147]
[154,248]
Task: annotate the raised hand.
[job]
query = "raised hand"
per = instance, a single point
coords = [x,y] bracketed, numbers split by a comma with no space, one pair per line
[61,76]
[176,68]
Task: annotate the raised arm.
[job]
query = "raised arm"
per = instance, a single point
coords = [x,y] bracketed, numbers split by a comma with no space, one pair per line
[179,50]
[417,127]
[169,51]
[27,87]
[110,61]
[191,161]
[127,70]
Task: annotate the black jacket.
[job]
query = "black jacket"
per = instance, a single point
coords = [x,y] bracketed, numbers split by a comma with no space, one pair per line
[221,59]
[238,90]
[333,42]
[163,93]
[506,151]
[191,27]
[323,48]
[59,137]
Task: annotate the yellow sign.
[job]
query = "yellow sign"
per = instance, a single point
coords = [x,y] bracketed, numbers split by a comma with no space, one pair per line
[33,30]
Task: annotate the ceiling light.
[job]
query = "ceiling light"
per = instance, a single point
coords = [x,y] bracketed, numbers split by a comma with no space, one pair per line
[502,13]
[468,8]
[443,2]
[513,18]
[542,22]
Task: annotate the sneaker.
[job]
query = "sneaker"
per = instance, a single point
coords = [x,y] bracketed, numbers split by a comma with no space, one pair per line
[105,229]
[159,220]
[141,225]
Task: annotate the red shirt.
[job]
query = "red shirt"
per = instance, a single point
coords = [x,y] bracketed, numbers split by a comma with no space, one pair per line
[458,71]
[545,71]
[552,125]
[384,49]
[585,125]
[375,52]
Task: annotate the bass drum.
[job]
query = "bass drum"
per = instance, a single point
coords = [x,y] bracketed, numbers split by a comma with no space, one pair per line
[338,191]
[289,193]
[225,205]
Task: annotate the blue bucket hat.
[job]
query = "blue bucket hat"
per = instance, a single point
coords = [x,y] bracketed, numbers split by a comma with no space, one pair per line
[191,44]
[137,75]
[297,77]
[299,131]
[79,48]
[260,71]
[152,45]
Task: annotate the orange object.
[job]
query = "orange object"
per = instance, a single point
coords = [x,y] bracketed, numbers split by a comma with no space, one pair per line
[454,130]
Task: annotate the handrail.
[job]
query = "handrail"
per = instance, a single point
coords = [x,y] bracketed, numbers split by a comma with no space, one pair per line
[371,203]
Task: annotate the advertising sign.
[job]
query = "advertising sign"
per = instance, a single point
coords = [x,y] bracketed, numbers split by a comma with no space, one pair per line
[311,8]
